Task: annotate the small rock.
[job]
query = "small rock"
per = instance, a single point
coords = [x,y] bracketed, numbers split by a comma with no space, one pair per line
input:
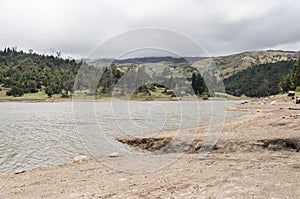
[81,158]
[298,100]
[291,93]
[113,155]
[20,171]
[273,102]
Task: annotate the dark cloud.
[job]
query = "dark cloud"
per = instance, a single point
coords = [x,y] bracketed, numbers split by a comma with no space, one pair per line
[222,27]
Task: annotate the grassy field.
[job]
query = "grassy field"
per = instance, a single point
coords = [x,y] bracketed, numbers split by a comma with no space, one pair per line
[158,94]
[39,96]
[42,96]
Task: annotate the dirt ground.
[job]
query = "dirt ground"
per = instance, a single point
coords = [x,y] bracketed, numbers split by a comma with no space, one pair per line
[256,156]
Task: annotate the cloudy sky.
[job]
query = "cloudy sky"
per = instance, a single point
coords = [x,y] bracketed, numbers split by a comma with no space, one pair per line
[75,27]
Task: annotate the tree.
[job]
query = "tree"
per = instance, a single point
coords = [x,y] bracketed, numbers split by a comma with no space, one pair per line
[15,91]
[58,54]
[286,83]
[52,89]
[31,86]
[198,84]
[68,83]
[292,79]
[49,91]
[296,74]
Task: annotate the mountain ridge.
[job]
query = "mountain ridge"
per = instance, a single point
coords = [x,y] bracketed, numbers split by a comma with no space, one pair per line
[227,64]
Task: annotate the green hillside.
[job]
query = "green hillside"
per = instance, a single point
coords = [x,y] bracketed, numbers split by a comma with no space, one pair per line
[33,76]
[232,64]
[28,76]
[260,80]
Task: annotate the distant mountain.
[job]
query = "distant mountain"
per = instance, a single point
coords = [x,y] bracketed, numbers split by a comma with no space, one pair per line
[143,60]
[232,64]
[227,65]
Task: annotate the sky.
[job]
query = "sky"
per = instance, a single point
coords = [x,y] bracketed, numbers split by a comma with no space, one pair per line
[221,27]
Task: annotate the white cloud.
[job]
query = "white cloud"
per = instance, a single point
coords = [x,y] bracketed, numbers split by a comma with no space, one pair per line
[76,27]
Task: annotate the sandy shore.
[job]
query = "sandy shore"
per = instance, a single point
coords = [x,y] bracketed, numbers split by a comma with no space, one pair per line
[256,157]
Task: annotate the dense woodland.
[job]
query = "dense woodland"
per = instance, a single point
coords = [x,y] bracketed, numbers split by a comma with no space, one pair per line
[30,72]
[260,80]
[291,81]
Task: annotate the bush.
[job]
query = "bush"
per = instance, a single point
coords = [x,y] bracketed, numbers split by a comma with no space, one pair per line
[53,89]
[31,86]
[15,91]
[298,89]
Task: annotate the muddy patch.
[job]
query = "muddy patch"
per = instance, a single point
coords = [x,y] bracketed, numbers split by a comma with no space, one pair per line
[169,145]
[290,144]
[164,145]
[149,144]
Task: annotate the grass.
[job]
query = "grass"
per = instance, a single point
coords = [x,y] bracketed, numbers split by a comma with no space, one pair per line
[39,96]
[229,97]
[42,96]
[157,94]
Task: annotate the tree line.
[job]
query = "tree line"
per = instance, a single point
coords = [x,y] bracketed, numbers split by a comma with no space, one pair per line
[30,73]
[22,72]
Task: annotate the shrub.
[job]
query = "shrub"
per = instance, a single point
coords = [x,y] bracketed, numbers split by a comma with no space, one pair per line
[53,89]
[15,91]
[31,86]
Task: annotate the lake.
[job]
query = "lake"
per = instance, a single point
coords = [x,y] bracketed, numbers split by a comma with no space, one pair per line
[42,134]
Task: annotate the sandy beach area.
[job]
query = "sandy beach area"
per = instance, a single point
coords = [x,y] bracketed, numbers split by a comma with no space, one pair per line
[256,156]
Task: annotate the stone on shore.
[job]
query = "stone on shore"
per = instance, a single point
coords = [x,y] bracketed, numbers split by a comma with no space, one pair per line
[291,93]
[113,155]
[80,159]
[298,100]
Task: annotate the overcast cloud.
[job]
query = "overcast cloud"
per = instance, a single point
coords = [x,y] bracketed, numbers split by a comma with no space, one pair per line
[221,26]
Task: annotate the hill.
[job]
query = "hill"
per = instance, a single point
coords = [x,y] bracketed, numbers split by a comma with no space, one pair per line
[29,73]
[232,64]
[258,81]
[227,65]
[42,77]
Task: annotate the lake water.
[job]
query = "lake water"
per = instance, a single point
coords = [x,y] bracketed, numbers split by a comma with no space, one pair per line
[42,134]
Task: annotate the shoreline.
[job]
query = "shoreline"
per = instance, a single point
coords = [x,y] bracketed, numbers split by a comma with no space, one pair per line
[252,158]
[113,99]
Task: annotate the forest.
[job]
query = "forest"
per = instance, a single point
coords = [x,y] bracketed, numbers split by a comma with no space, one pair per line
[31,72]
[260,80]
[22,72]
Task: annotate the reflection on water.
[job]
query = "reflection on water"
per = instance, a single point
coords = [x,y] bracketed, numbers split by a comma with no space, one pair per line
[42,134]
